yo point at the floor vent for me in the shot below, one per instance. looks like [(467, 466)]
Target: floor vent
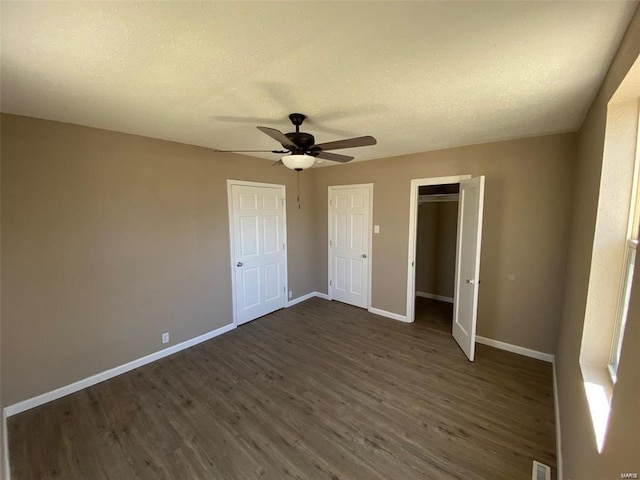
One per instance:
[(541, 471)]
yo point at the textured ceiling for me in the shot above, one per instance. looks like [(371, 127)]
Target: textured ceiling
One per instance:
[(418, 75)]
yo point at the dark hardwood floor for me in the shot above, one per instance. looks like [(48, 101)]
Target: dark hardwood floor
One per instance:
[(434, 314), (321, 390)]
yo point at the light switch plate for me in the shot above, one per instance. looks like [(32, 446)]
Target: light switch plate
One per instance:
[(376, 229)]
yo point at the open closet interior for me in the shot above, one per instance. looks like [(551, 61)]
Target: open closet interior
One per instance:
[(436, 255)]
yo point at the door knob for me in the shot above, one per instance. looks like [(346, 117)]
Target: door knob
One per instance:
[(364, 255), (239, 264), (470, 280)]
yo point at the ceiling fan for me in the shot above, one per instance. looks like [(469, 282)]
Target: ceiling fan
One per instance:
[(301, 147)]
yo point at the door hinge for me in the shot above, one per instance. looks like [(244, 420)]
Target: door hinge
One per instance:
[(283, 247), (284, 289), (283, 202), (331, 243), (330, 282), (330, 203)]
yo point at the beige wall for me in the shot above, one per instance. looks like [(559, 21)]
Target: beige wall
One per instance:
[(436, 248), (621, 452), (111, 239), (527, 199)]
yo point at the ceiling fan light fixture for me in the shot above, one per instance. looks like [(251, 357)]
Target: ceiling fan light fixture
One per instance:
[(298, 162)]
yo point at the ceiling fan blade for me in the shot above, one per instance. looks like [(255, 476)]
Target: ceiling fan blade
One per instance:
[(348, 143), (243, 151), (280, 137), (334, 157), (279, 162)]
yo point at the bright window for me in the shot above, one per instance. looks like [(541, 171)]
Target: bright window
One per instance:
[(623, 308), (631, 247)]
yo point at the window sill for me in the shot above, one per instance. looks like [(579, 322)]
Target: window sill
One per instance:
[(599, 390)]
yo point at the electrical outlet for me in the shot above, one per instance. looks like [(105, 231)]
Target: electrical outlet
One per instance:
[(290, 293), (165, 337)]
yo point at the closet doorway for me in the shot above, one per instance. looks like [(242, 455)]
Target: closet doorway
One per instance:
[(445, 230), (435, 264)]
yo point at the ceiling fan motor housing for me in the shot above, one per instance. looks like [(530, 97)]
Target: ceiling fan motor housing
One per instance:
[(304, 141)]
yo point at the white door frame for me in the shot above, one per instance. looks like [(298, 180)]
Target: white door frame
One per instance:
[(416, 183), (330, 231), (283, 191)]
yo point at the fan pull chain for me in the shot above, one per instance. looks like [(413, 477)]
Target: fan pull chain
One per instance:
[(298, 188)]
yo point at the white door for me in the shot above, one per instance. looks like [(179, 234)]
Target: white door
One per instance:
[(259, 258), (465, 310), (349, 232)]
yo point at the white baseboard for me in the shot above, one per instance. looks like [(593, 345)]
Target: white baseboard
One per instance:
[(377, 311), (5, 446), (556, 406), (113, 372), (384, 313), (106, 375), (301, 299), (433, 296), (527, 352)]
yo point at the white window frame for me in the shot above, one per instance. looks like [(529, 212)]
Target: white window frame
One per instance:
[(629, 265), (622, 310)]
